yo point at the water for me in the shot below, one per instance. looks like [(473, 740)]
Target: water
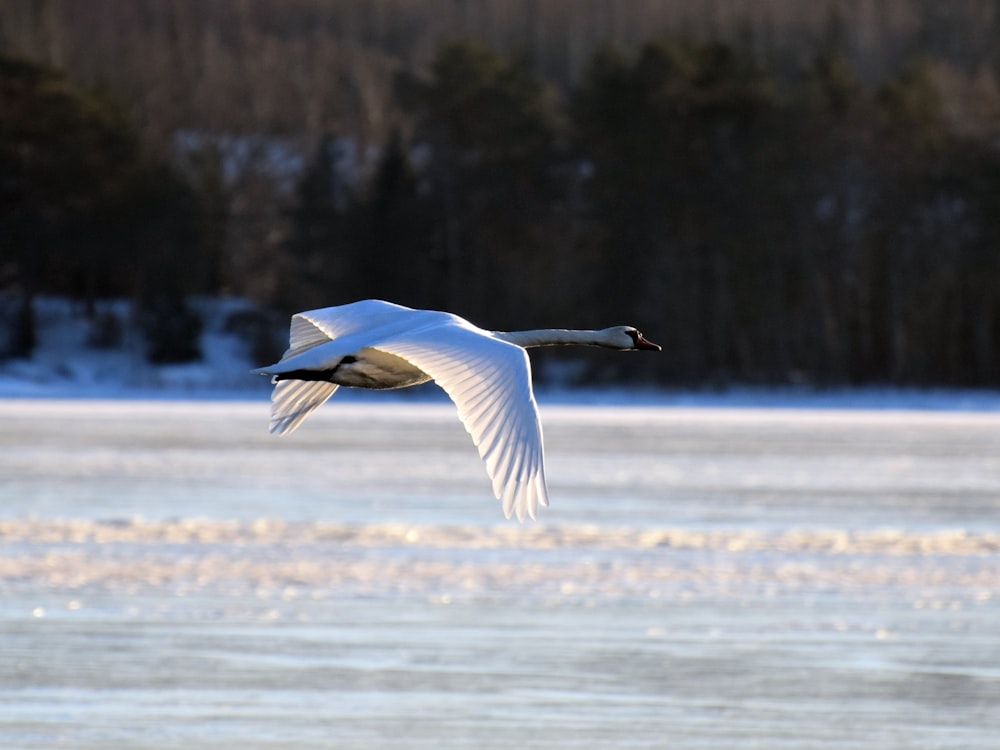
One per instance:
[(173, 577)]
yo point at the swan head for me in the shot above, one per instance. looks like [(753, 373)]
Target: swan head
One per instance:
[(627, 339)]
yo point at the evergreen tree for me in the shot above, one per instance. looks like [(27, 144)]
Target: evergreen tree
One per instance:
[(319, 263), (84, 212), (400, 261), (490, 127), (675, 137)]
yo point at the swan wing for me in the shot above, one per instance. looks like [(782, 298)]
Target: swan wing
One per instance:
[(490, 382), (314, 327), (294, 400)]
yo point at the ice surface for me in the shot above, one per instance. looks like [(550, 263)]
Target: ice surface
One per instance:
[(172, 576), (773, 568)]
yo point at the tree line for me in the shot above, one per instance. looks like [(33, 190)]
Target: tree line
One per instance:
[(763, 227), (318, 66)]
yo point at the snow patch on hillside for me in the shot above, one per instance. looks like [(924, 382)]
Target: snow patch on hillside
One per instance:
[(67, 364)]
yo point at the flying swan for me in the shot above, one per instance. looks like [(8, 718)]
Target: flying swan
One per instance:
[(376, 344)]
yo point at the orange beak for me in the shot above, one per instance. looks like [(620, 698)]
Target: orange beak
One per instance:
[(642, 343)]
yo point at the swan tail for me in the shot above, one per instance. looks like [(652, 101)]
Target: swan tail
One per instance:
[(294, 400)]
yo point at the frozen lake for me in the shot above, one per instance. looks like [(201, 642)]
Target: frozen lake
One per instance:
[(171, 576)]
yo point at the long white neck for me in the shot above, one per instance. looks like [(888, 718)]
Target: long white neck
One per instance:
[(555, 337)]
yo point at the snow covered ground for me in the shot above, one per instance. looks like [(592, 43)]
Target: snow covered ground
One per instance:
[(172, 576), (725, 571), (66, 365)]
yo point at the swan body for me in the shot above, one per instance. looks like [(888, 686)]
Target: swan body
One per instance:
[(487, 374)]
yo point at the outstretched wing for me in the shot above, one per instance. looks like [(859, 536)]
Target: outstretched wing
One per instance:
[(314, 327), (294, 400), (490, 382)]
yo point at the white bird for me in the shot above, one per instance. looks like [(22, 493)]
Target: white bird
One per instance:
[(376, 344)]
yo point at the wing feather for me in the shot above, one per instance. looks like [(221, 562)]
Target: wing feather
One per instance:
[(356, 317), (314, 327), (303, 335), (490, 382), (294, 400)]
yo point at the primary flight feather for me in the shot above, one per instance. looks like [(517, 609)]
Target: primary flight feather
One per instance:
[(376, 344)]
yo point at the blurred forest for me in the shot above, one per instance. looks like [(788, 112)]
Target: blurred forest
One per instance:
[(777, 191)]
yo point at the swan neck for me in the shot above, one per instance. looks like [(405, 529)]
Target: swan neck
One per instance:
[(551, 337)]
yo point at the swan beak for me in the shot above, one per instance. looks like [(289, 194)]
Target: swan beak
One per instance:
[(643, 343)]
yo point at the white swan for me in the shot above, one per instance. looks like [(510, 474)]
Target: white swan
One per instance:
[(376, 344)]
